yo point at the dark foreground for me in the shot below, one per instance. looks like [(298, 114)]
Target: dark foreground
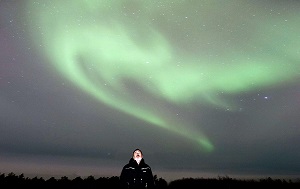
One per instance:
[(12, 180)]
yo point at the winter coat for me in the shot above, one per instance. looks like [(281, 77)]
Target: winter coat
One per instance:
[(136, 176)]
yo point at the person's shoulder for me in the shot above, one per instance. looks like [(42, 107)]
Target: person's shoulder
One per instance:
[(146, 165), (126, 166)]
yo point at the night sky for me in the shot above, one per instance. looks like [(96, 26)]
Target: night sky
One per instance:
[(204, 88)]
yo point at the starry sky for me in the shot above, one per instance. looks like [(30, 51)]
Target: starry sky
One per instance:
[(205, 88)]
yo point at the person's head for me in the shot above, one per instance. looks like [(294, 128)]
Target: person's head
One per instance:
[(137, 155)]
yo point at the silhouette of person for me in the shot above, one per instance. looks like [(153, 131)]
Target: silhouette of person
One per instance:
[(136, 174)]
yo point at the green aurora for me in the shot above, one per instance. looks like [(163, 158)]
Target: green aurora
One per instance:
[(109, 49)]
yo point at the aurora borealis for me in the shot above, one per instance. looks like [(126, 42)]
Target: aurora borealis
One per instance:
[(199, 80)]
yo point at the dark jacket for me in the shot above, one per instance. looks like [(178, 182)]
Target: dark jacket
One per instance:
[(135, 175)]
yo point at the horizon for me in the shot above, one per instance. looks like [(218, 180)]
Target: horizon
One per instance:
[(38, 168), (202, 87)]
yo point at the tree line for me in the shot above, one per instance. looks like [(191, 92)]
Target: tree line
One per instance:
[(12, 180)]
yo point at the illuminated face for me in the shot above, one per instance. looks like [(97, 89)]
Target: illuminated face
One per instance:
[(137, 155)]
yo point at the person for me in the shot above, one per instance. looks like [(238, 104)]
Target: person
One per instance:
[(136, 174)]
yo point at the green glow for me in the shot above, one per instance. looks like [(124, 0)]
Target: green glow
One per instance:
[(98, 46)]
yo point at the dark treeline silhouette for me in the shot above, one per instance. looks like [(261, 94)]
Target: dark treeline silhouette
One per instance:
[(230, 183), (12, 180)]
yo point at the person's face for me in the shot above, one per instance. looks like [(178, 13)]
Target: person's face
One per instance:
[(137, 154)]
